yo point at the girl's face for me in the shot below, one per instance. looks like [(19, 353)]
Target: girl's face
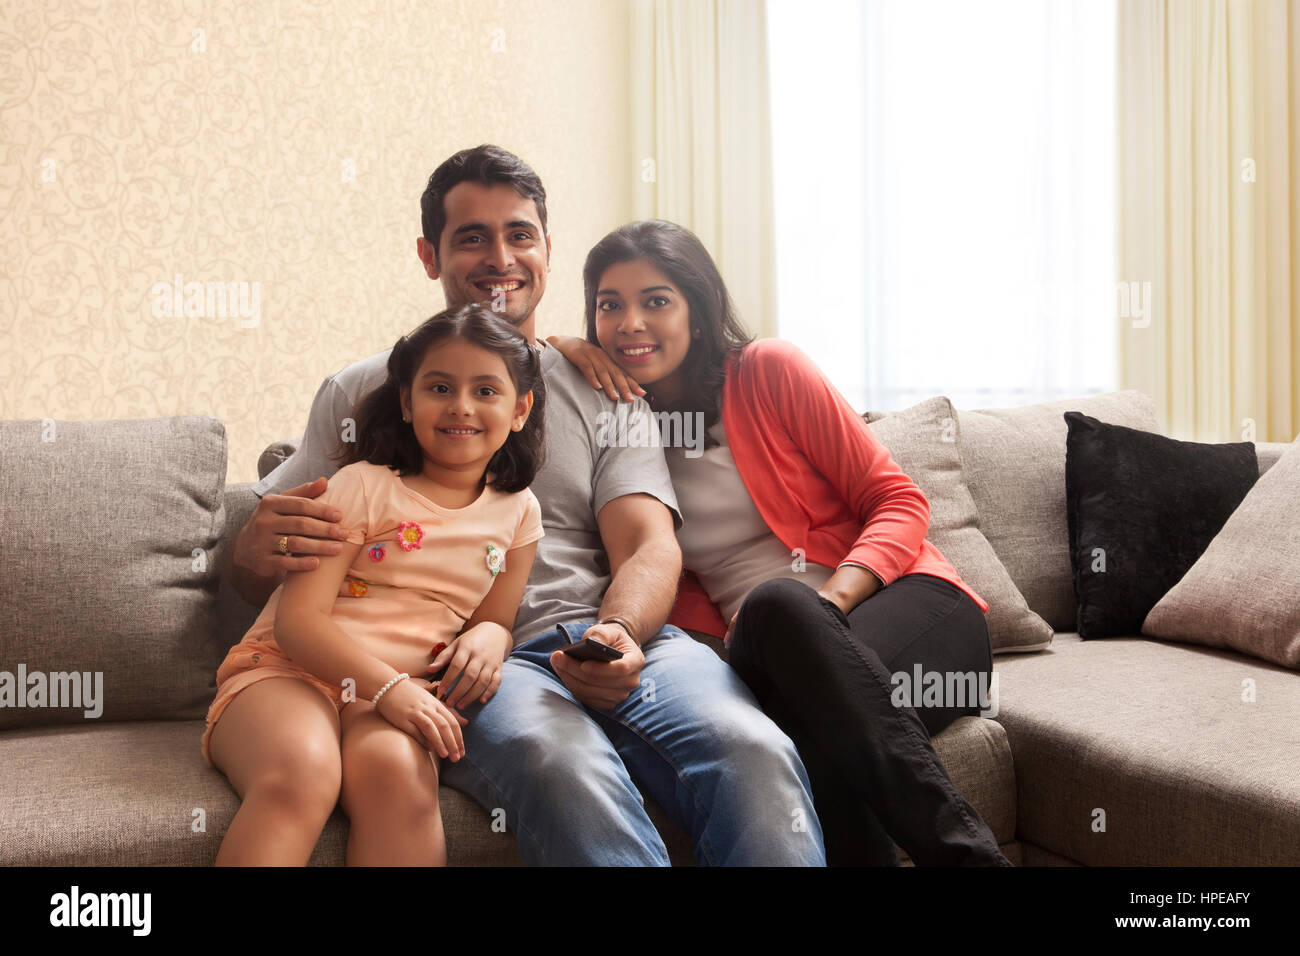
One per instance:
[(463, 405), (642, 321)]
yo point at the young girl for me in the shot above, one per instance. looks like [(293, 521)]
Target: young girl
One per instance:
[(323, 701), (789, 465)]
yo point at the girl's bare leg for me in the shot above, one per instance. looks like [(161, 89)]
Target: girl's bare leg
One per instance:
[(390, 793), (277, 743)]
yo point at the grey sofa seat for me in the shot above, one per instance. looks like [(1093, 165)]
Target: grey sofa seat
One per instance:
[(1157, 736), (104, 795), (128, 792)]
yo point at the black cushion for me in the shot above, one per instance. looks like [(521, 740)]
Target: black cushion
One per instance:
[(1141, 508)]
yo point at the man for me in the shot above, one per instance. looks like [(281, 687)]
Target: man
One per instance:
[(559, 745)]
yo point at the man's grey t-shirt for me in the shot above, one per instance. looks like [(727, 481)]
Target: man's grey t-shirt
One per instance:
[(577, 479)]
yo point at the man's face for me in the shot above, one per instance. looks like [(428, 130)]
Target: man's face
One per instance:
[(491, 251)]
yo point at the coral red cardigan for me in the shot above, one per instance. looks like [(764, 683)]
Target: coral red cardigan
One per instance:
[(819, 477)]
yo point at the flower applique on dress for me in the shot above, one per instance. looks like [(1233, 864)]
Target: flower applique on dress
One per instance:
[(409, 534), (357, 587), (496, 559)]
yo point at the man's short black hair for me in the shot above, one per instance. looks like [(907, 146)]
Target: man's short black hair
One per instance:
[(486, 164)]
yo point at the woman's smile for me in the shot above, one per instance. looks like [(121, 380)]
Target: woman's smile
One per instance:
[(637, 354)]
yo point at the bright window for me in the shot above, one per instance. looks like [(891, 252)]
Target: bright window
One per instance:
[(944, 183)]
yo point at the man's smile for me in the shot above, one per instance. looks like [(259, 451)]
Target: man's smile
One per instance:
[(499, 286)]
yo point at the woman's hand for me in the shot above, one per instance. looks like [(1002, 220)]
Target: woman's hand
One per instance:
[(601, 370), (849, 586), (837, 600), (476, 657), (409, 707)]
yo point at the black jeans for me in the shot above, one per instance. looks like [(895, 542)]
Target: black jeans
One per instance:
[(825, 679)]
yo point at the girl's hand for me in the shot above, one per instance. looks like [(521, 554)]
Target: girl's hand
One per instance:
[(476, 657), (409, 707), (601, 370)]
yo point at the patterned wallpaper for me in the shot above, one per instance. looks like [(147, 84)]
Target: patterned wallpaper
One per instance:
[(208, 207)]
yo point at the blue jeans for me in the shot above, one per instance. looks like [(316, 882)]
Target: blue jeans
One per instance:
[(692, 735)]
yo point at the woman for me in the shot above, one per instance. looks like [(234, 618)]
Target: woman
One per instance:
[(808, 538)]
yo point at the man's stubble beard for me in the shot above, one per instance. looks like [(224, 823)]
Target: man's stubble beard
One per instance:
[(516, 321)]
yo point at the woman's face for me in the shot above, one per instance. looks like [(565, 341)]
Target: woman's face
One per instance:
[(642, 321)]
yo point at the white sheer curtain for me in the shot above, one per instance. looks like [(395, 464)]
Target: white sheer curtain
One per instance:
[(701, 136), (944, 183)]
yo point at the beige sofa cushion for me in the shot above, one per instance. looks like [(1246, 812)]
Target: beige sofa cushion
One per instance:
[(1244, 590), (1014, 460), (1189, 767), (925, 441), (107, 556), (1270, 452)]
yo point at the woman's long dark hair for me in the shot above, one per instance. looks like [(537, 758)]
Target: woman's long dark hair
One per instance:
[(678, 253), (384, 439)]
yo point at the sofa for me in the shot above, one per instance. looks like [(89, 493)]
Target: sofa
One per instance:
[(113, 534)]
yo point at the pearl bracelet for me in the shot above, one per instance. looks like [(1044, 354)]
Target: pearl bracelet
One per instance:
[(383, 690)]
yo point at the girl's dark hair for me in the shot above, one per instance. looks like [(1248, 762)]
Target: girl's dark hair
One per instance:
[(678, 253), (384, 439)]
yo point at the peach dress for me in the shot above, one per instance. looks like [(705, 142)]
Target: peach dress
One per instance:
[(422, 572)]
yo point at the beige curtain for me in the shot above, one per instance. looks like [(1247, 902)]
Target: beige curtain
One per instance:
[(701, 139), (1209, 214)]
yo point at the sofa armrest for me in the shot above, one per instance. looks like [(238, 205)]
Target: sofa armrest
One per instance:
[(275, 453)]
